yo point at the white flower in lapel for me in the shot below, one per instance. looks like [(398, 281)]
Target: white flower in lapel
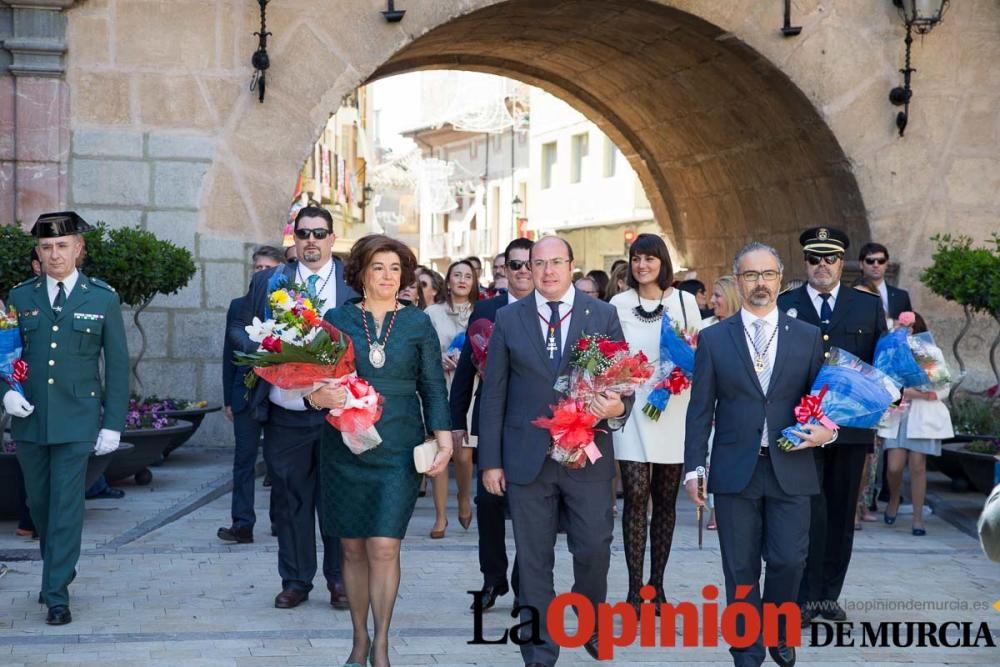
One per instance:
[(792, 312)]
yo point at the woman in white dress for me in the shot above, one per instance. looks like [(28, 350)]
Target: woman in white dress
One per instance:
[(651, 453), (450, 318)]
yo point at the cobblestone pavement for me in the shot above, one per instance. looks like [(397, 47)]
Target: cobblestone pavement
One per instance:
[(156, 587)]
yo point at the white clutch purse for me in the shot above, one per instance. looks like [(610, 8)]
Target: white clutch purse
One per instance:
[(423, 455)]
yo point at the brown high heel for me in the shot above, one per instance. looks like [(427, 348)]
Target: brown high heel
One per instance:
[(438, 534), (464, 519)]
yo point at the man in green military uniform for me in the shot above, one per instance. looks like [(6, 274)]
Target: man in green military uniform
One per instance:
[(67, 320)]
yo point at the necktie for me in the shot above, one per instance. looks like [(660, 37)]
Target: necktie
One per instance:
[(763, 374), (553, 342), (60, 299), (311, 285), (825, 311)]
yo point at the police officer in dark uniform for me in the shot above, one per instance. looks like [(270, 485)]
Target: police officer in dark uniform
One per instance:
[(67, 320), (853, 321)]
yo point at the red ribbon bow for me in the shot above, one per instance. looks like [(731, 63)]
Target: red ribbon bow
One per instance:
[(810, 406), (20, 373)]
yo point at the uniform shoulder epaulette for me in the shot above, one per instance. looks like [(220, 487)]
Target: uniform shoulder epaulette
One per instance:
[(861, 290), (100, 283), (30, 281)]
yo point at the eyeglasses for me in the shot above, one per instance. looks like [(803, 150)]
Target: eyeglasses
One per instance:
[(518, 264), (814, 260), (875, 260), (318, 233), (556, 262), (755, 276)]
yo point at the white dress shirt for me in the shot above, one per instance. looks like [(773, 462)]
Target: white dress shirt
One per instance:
[(544, 312), (69, 282), (817, 300), (292, 399)]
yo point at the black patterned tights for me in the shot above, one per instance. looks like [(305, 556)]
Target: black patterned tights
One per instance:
[(640, 482)]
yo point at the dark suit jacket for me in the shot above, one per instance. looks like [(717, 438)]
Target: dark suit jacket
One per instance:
[(858, 322), (899, 301), (253, 306), (465, 375), (519, 388), (725, 389), (234, 393)]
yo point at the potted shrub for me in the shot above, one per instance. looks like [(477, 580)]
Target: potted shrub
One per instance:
[(969, 456), (150, 430), (15, 258)]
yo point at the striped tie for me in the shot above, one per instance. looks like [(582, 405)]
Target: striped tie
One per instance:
[(764, 374)]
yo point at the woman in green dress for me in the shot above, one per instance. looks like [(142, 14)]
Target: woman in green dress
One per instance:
[(368, 498)]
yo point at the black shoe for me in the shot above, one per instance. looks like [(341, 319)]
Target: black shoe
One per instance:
[(110, 492), (832, 611), (238, 535), (59, 615), (490, 595), (808, 614), (783, 655), (591, 646)]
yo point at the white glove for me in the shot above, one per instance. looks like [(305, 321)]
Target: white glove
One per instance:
[(107, 442), (17, 405)]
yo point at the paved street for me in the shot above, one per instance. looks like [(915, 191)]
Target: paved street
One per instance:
[(156, 587)]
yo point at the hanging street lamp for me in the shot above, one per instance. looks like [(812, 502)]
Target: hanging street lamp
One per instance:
[(920, 16)]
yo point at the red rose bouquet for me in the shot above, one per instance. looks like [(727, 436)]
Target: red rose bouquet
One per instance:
[(599, 365)]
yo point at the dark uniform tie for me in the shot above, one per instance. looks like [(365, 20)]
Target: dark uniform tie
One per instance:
[(60, 299), (555, 336), (825, 312)]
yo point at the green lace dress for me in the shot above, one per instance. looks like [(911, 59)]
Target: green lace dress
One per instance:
[(373, 494)]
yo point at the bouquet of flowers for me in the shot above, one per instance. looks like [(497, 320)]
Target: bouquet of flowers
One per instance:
[(846, 392), (930, 359), (599, 365), (478, 334), (677, 347), (912, 360), (13, 369), (300, 352)]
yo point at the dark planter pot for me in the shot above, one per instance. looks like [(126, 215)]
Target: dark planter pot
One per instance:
[(148, 445), (9, 469), (977, 468), (950, 462), (195, 416)]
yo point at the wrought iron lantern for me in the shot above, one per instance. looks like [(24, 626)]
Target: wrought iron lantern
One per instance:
[(260, 60), (920, 16), (516, 206)]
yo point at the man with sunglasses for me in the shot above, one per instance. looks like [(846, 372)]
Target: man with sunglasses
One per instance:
[(490, 509), (874, 258), (853, 321), (291, 429)]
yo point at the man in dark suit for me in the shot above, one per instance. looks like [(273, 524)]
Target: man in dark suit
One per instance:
[(852, 320), (874, 258), (490, 510), (246, 431), (750, 372), (531, 346), (291, 430)]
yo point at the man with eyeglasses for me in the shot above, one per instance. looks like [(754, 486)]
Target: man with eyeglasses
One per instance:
[(490, 513), (853, 321), (291, 429), (874, 258), (532, 344)]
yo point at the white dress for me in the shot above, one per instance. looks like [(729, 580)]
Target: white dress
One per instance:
[(642, 439), (448, 323)]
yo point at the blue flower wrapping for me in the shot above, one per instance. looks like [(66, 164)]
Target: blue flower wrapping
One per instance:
[(857, 394), (457, 343), (674, 353), (894, 357), (277, 280), (10, 351)]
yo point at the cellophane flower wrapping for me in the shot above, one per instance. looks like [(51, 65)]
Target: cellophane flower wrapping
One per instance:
[(13, 369), (846, 392), (895, 358), (457, 343), (930, 359), (599, 365), (479, 333), (300, 352), (675, 369)]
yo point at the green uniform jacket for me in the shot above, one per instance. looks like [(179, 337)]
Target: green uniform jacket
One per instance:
[(63, 352)]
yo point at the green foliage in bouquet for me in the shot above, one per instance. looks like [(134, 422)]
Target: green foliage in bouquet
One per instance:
[(15, 257)]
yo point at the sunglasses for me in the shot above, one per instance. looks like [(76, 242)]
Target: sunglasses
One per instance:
[(814, 260), (518, 264), (875, 260), (319, 233)]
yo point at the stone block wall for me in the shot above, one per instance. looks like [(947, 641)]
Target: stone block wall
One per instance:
[(154, 180)]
